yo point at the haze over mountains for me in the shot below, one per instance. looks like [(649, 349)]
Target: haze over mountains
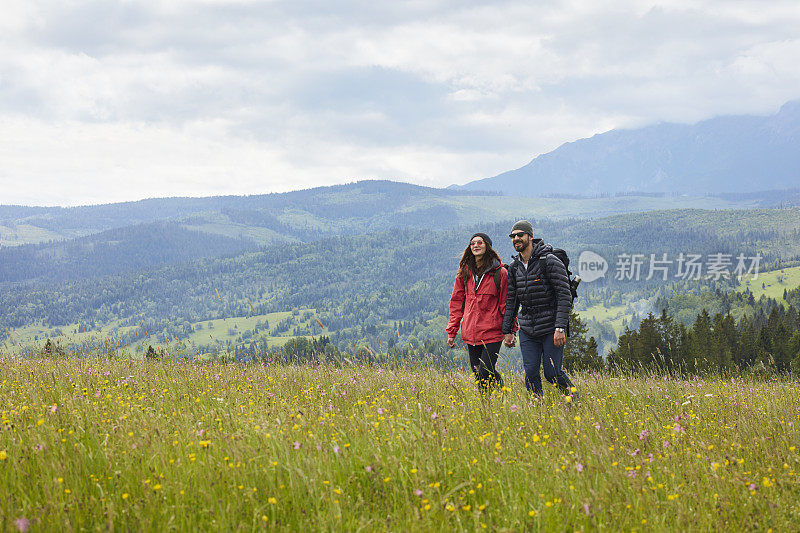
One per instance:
[(728, 154), (308, 215), (717, 163)]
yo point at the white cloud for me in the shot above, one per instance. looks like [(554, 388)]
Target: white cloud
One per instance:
[(75, 163), (104, 100)]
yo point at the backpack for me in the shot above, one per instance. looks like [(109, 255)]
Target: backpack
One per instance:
[(564, 258), (573, 281)]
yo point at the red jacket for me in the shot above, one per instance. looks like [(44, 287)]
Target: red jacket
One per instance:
[(479, 313)]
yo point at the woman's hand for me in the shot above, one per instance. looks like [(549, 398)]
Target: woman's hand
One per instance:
[(451, 341)]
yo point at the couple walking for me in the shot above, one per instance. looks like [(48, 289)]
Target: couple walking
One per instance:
[(486, 303)]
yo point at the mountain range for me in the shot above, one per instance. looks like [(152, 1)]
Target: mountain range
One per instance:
[(307, 215), (376, 258), (727, 154)]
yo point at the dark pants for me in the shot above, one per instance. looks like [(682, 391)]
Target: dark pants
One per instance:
[(482, 360), (537, 351)]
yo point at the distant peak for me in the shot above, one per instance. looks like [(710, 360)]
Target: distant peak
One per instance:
[(792, 106)]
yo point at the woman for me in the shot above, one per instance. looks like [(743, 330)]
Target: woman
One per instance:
[(477, 304)]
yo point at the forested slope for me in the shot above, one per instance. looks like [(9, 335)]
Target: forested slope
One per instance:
[(377, 277)]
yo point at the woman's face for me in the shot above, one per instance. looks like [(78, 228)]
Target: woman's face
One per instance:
[(478, 247)]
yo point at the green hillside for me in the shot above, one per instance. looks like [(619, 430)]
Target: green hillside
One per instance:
[(772, 284), (381, 286), (274, 329)]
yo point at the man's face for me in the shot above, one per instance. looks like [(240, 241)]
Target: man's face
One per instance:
[(520, 240)]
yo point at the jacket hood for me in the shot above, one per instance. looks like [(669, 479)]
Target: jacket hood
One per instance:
[(540, 248), (495, 265)]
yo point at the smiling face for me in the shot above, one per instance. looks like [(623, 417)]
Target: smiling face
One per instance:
[(520, 240), (478, 247)]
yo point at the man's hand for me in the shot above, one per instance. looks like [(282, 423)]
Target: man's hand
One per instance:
[(559, 339), (451, 341), (509, 340)]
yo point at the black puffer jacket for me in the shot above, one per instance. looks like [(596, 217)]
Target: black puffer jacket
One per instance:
[(545, 298)]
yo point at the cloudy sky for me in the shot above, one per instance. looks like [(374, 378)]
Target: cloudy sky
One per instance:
[(109, 101)]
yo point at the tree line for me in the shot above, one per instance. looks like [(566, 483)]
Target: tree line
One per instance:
[(764, 339)]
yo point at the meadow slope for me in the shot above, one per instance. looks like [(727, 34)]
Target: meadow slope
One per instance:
[(102, 444)]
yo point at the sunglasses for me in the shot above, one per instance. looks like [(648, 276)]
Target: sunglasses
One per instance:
[(515, 235), (476, 243)]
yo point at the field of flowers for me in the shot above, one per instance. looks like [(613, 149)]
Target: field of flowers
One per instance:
[(94, 444)]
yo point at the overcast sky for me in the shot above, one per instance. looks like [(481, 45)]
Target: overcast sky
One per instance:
[(109, 101)]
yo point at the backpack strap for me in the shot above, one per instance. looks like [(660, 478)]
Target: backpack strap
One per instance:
[(496, 276)]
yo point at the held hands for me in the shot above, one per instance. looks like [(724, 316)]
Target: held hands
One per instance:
[(451, 341), (559, 339), (509, 340)]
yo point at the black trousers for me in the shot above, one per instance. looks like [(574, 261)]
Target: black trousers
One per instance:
[(482, 360)]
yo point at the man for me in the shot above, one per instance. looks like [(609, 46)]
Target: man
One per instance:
[(538, 281)]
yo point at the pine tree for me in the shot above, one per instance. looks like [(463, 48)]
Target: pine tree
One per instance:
[(151, 353), (700, 344), (794, 350), (580, 353)]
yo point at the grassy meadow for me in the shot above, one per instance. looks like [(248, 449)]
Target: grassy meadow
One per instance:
[(772, 284), (613, 315), (102, 444)]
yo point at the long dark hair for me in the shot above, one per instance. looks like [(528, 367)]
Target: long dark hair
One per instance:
[(469, 265)]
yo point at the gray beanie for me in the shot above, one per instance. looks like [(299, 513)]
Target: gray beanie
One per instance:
[(523, 225)]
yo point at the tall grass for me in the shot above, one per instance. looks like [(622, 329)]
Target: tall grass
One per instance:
[(96, 443)]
